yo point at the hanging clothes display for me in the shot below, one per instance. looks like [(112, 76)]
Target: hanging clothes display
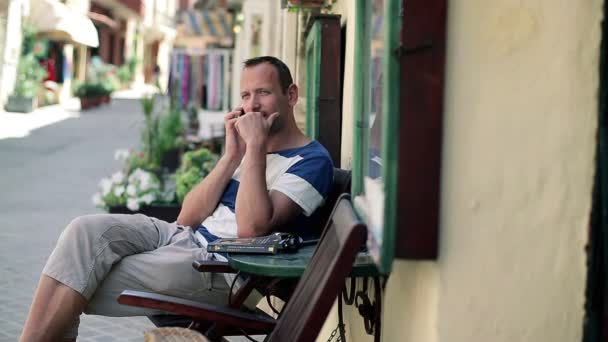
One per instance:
[(199, 78)]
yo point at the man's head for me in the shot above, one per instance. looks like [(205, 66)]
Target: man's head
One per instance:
[(267, 87), (283, 72)]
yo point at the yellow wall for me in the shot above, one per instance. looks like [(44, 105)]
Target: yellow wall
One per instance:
[(519, 142)]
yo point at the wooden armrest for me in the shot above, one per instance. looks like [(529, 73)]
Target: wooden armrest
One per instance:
[(213, 266), (198, 310)]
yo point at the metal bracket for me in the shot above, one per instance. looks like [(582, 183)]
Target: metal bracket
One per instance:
[(369, 311), (403, 50)]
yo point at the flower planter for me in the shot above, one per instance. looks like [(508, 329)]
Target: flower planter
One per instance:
[(20, 104), (307, 3), (171, 159), (165, 212), (93, 101)]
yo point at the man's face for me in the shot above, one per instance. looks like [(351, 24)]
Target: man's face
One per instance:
[(261, 92)]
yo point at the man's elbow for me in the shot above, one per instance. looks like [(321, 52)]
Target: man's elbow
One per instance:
[(253, 229), (188, 220)]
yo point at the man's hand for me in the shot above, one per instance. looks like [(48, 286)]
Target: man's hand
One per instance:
[(235, 146), (254, 127)]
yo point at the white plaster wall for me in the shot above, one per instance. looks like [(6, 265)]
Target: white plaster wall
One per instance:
[(520, 125), (66, 88), (163, 61), (130, 37), (12, 47), (138, 50)]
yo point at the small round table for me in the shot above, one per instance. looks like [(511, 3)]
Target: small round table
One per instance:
[(292, 265)]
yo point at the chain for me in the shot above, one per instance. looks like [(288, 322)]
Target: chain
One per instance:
[(333, 334)]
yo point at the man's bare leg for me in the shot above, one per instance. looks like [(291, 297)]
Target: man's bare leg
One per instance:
[(54, 307)]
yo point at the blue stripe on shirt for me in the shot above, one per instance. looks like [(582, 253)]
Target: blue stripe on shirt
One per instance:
[(229, 196), (206, 234), (317, 171)]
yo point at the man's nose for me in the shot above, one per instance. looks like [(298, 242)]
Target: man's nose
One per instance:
[(252, 105)]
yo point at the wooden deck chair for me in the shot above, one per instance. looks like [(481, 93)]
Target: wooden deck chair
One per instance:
[(306, 311), (281, 288)]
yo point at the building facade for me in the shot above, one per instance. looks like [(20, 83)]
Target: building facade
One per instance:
[(517, 166)]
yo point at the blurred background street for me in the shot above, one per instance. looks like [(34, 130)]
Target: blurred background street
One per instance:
[(47, 177)]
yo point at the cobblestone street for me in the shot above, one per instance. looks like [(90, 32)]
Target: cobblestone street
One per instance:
[(47, 178)]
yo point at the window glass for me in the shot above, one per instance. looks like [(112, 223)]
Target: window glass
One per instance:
[(373, 182), (374, 158)]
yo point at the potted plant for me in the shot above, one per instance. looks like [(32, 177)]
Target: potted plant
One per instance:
[(30, 75), (195, 165), (90, 94), (137, 189), (138, 192), (102, 80), (162, 135), (171, 138), (28, 84)]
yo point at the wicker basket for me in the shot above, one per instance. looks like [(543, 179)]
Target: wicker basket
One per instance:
[(173, 335)]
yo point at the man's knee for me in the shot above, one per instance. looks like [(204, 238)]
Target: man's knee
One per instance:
[(123, 234), (83, 226)]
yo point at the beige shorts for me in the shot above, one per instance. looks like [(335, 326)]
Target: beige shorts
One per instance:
[(99, 256)]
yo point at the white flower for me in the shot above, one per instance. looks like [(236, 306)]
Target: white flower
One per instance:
[(97, 200), (121, 154), (119, 190), (145, 181), (147, 198), (142, 179), (131, 190), (135, 175), (118, 177), (133, 204), (106, 186)]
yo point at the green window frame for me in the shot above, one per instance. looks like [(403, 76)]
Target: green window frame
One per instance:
[(401, 207), (313, 71), (380, 238)]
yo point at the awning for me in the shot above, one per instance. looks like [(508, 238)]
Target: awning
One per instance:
[(200, 27), (55, 20)]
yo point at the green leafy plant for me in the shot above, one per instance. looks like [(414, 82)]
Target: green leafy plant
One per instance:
[(101, 80), (195, 166), (93, 89), (150, 133), (29, 76), (138, 160), (124, 74), (192, 114), (162, 133), (170, 131), (131, 64), (29, 71)]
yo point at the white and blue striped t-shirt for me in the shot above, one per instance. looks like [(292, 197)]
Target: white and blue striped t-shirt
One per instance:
[(304, 174)]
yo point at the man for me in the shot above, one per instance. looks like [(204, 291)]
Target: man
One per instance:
[(270, 175)]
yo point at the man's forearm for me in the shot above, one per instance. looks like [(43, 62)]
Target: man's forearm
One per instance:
[(254, 209), (204, 197)]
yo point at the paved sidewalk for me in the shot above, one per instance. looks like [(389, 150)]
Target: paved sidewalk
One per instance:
[(50, 164)]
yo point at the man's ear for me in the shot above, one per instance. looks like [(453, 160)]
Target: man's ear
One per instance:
[(292, 94)]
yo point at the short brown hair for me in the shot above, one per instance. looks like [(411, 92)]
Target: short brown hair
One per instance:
[(285, 78)]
